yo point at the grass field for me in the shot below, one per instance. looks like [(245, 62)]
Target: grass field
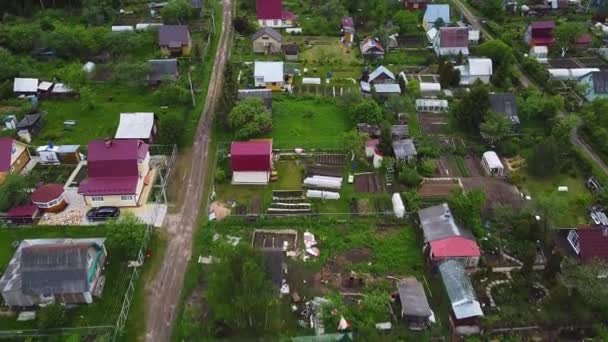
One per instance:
[(307, 123)]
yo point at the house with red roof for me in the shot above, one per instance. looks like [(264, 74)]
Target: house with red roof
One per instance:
[(348, 30), (14, 156), (540, 33), (251, 161), (445, 240), (270, 13), (585, 244), (451, 41), (118, 170)]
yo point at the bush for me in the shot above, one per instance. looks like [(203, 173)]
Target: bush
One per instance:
[(171, 129), (408, 175), (51, 316)]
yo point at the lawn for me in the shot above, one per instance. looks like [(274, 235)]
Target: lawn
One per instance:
[(307, 123), (325, 50), (569, 208)]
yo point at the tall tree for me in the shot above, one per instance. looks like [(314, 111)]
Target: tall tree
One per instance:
[(177, 12), (240, 293), (545, 158), (249, 118), (467, 209), (566, 35), (125, 236), (353, 141), (474, 106), (367, 111), (589, 281), (13, 192), (495, 128)]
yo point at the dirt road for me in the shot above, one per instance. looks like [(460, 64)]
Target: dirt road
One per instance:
[(163, 292)]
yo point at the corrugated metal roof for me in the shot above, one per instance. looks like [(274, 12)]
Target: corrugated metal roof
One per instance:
[(269, 31), (379, 71), (135, 126), (438, 223), (161, 69), (269, 9), (173, 33), (25, 85), (451, 37), (404, 148), (434, 12), (505, 103), (387, 88), (413, 298)]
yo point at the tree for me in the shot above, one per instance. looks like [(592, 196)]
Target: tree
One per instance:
[(448, 75), (439, 23), (562, 129), (230, 88), (51, 316), (11, 65), (171, 128), (242, 25), (566, 34), (495, 128), (367, 111), (249, 118), (493, 9), (471, 111), (97, 12), (407, 22), (353, 141), (409, 176), (346, 102), (173, 93), (545, 158), (125, 236), (395, 105), (331, 9), (13, 192), (588, 281), (240, 293), (467, 208), (385, 145), (133, 75), (502, 60), (541, 107), (73, 76), (411, 200), (177, 12)]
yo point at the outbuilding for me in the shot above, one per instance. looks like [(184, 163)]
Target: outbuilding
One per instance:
[(431, 105), (415, 307), (269, 75), (25, 86), (267, 40), (251, 161), (428, 89), (23, 214), (492, 165), (475, 69), (50, 198), (140, 126), (404, 149), (32, 123)]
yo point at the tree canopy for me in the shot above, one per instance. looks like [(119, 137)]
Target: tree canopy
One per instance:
[(566, 34), (467, 208), (495, 128), (125, 236), (473, 107), (367, 111), (177, 12), (545, 158), (588, 281), (13, 192), (249, 118), (240, 293)]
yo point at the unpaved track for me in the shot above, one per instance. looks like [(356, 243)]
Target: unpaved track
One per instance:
[(163, 292)]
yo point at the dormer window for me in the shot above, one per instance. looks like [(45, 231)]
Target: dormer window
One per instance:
[(574, 241)]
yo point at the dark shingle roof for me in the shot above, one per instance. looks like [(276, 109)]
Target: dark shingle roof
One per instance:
[(28, 121), (505, 103), (170, 35), (161, 69), (55, 269), (269, 31), (600, 82), (291, 49), (273, 261)]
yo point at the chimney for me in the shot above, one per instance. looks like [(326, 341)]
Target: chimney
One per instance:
[(108, 142)]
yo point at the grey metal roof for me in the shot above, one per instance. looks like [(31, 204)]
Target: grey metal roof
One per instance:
[(600, 82), (173, 35), (505, 103), (460, 290), (413, 298), (161, 69), (438, 223), (49, 266), (379, 71), (28, 121), (269, 31), (387, 88), (400, 131), (404, 148)]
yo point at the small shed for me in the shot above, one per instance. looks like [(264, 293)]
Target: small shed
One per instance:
[(62, 90), (140, 126), (162, 69), (267, 40), (23, 214), (291, 52), (370, 147), (50, 198), (428, 89), (32, 123), (404, 149), (415, 307), (492, 164), (62, 154)]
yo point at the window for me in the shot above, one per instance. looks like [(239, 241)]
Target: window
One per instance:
[(97, 198), (126, 197), (574, 241), (276, 22), (265, 38)]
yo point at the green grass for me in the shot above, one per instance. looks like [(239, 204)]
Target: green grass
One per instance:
[(406, 58), (569, 207), (307, 123)]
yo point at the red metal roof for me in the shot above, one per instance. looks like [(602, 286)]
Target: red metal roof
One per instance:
[(6, 150), (456, 246), (593, 244), (251, 155), (270, 9), (543, 25), (108, 186), (27, 210), (453, 37), (47, 193), (288, 15)]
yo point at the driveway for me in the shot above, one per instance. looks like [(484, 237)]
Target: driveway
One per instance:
[(163, 292)]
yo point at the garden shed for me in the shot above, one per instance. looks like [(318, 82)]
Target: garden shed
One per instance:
[(466, 309), (431, 105), (25, 86), (492, 165), (415, 307), (404, 149), (50, 198), (32, 123), (251, 161)]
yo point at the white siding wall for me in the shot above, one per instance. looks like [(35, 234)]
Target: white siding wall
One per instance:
[(113, 200), (258, 177)]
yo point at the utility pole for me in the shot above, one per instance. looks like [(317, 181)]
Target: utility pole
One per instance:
[(191, 89)]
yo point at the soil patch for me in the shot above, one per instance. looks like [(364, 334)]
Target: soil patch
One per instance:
[(434, 124), (326, 170), (358, 255), (369, 183), (275, 239), (330, 159), (497, 191), (438, 188), (474, 166)]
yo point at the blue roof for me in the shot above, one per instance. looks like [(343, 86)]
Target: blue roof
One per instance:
[(434, 12)]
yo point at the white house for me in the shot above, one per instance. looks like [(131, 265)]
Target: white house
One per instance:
[(269, 75), (475, 69)]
